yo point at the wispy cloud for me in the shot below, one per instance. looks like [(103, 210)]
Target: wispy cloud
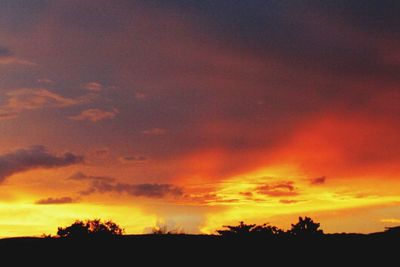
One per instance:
[(28, 98), (150, 190), (93, 86), (80, 176), (7, 114), (390, 220), (318, 180), (277, 189), (5, 52), (25, 99), (288, 201), (7, 57), (34, 157), (95, 115), (53, 201)]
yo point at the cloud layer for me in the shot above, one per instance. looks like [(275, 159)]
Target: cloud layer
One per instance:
[(34, 157), (55, 201), (149, 190), (80, 176), (5, 52), (95, 115), (26, 99), (282, 189)]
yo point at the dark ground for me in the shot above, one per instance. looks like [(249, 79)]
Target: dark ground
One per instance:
[(189, 250)]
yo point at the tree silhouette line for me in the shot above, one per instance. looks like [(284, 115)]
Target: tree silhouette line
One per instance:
[(90, 228), (303, 228)]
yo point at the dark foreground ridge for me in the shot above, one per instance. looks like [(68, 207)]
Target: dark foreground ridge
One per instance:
[(179, 249), (94, 242)]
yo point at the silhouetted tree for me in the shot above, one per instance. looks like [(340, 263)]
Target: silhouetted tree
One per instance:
[(395, 231), (94, 228), (267, 230), (305, 227), (240, 230), (254, 230)]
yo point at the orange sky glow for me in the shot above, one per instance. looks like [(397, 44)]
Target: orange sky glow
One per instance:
[(197, 115)]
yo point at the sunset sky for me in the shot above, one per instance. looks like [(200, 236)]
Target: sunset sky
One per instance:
[(197, 114)]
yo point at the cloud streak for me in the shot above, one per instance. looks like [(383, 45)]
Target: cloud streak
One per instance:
[(5, 52), (93, 86), (80, 176), (26, 99), (277, 189), (95, 115), (29, 98), (318, 180), (7, 57), (34, 157), (149, 190), (53, 201)]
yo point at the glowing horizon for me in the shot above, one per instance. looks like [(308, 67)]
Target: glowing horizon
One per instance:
[(197, 114)]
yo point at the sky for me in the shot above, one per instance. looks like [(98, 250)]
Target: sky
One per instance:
[(197, 114)]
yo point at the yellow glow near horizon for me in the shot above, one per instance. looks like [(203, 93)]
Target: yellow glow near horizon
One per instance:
[(314, 200), (26, 219)]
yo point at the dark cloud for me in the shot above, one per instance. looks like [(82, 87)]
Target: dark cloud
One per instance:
[(318, 180), (50, 201), (338, 36), (294, 59), (80, 176), (5, 52), (34, 157), (277, 189), (138, 190)]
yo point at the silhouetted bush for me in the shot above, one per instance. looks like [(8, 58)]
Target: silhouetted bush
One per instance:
[(395, 231), (90, 228), (305, 228), (267, 230), (243, 230), (240, 230), (46, 236)]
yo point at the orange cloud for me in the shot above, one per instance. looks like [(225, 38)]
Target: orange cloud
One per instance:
[(95, 115), (93, 86), (35, 98), (26, 99)]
